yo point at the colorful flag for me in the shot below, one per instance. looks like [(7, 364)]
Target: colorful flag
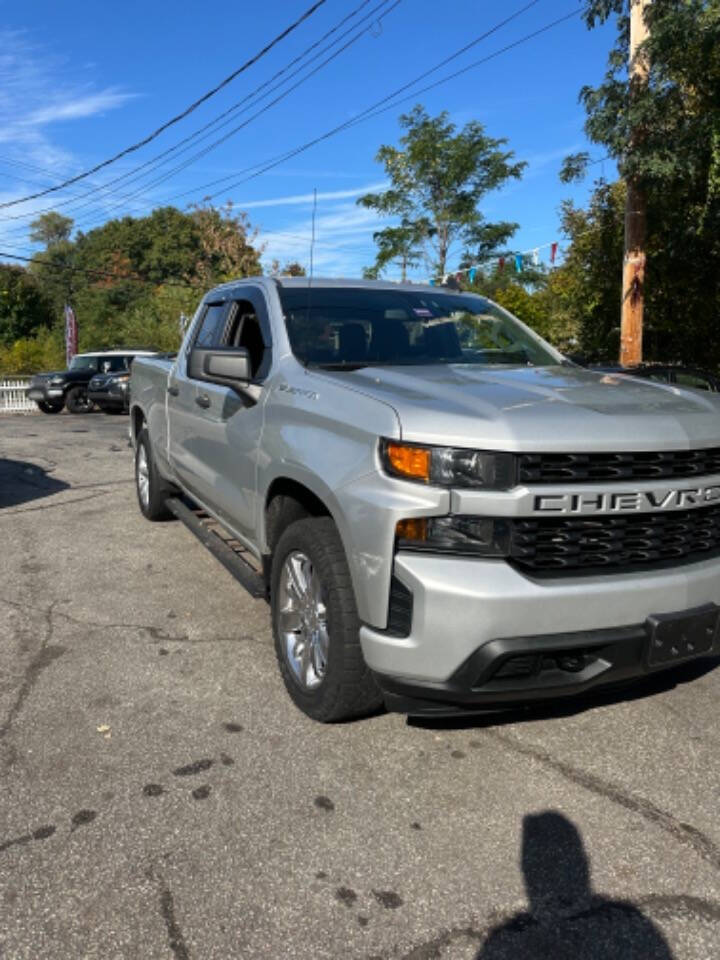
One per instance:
[(471, 274), (518, 262), (553, 252), (536, 257), (71, 334), (501, 264), (432, 282)]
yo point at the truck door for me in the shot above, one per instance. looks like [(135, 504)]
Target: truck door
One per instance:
[(182, 411), (223, 425)]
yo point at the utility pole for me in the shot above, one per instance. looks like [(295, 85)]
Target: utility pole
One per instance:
[(633, 282)]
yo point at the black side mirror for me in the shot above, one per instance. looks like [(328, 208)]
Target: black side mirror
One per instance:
[(228, 367)]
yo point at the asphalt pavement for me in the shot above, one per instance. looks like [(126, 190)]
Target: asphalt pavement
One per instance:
[(160, 796)]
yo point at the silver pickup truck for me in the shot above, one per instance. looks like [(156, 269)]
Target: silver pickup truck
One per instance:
[(447, 515)]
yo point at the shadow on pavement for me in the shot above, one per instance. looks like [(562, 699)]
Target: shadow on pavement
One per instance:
[(639, 689), (565, 920), (21, 482)]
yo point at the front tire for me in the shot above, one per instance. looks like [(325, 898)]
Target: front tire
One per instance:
[(77, 401), (316, 627), (152, 490), (47, 407)]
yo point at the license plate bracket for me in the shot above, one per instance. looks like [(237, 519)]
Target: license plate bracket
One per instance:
[(675, 637)]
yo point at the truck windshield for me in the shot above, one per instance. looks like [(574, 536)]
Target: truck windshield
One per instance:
[(354, 327)]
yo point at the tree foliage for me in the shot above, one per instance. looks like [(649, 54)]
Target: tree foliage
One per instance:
[(673, 125), (51, 228), (129, 281), (24, 307), (438, 178)]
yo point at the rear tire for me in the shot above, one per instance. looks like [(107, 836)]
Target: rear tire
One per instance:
[(47, 407), (316, 626), (77, 401), (152, 489)]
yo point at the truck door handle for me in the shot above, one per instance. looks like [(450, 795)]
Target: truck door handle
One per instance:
[(173, 391), (203, 401)]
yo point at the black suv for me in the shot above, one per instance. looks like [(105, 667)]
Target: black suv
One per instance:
[(53, 391)]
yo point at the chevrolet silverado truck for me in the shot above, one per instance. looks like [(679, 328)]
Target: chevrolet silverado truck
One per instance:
[(448, 516)]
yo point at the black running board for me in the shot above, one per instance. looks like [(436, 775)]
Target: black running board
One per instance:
[(233, 558)]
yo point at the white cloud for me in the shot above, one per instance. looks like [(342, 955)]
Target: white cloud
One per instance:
[(343, 238), (307, 198), (33, 97), (75, 108)]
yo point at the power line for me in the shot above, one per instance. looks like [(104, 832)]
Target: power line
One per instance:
[(376, 109), (154, 162), (380, 106), (374, 14), (373, 110), (201, 153), (180, 116)]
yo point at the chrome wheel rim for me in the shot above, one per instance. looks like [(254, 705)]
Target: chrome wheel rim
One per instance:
[(303, 620), (143, 477)]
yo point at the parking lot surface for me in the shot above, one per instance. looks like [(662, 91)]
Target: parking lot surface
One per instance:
[(162, 797)]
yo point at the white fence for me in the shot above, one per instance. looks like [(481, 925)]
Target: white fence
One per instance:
[(13, 396)]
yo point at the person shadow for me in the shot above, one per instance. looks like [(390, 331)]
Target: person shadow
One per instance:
[(565, 919)]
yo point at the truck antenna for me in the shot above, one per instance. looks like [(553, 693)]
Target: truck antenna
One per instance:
[(312, 250), (312, 236)]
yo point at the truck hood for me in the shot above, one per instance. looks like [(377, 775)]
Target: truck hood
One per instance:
[(534, 409)]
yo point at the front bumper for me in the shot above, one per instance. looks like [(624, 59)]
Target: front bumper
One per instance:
[(112, 396), (44, 393), (471, 617)]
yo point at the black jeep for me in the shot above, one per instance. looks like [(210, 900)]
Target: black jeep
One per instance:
[(53, 391)]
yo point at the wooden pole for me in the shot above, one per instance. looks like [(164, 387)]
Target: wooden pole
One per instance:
[(633, 282)]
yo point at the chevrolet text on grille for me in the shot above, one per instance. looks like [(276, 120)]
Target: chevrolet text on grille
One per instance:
[(627, 501)]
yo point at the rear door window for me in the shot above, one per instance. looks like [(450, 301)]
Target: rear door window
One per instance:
[(243, 330)]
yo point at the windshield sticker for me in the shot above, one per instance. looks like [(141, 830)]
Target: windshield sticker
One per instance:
[(422, 312)]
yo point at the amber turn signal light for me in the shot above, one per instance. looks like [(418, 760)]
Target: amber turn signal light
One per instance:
[(409, 461), (413, 528)]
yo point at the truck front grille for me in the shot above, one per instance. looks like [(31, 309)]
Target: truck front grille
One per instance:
[(614, 543), (592, 467)]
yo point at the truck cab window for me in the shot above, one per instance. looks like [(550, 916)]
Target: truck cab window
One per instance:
[(244, 331)]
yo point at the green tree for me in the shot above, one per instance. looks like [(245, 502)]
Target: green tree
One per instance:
[(675, 157), (228, 247), (51, 228), (131, 279), (24, 308), (291, 269), (403, 246), (437, 179)]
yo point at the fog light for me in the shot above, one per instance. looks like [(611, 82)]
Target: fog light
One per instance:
[(479, 536)]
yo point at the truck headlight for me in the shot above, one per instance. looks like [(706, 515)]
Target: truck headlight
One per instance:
[(477, 536), (121, 380), (57, 380), (448, 466)]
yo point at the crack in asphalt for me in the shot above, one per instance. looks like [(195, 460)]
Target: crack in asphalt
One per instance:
[(685, 833), (42, 659), (176, 940), (156, 633)]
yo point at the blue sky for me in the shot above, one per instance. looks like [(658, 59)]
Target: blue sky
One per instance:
[(79, 81)]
